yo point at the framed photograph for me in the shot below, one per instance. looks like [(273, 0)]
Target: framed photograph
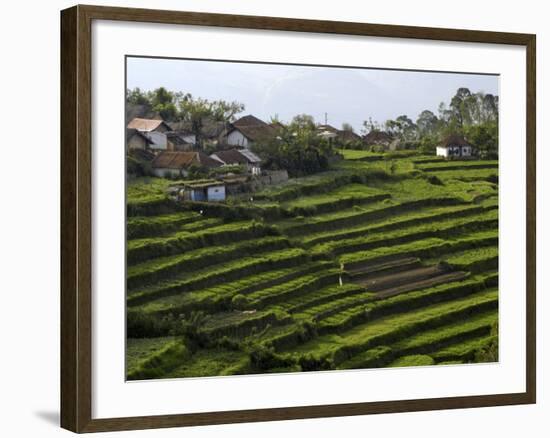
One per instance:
[(270, 219)]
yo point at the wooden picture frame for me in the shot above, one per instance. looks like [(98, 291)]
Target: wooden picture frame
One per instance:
[(76, 217)]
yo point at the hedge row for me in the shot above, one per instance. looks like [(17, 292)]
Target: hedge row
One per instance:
[(393, 224), (460, 167), (336, 204), (152, 206), (321, 297), (462, 352), (247, 266), (138, 251), (220, 297), (161, 268), (344, 355), (147, 226), (160, 362), (360, 217), (477, 306), (427, 248), (241, 327), (324, 184), (403, 303), (402, 236), (295, 288)]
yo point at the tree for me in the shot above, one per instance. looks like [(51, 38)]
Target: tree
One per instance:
[(303, 122), (428, 143), (223, 111), (347, 127), (427, 123), (163, 102), (297, 148), (196, 111), (370, 125), (402, 127), (485, 138), (136, 97), (489, 108)]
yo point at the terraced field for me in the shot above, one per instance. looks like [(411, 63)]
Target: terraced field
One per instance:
[(386, 260)]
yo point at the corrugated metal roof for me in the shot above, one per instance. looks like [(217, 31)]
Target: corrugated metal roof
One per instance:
[(146, 125), (250, 156)]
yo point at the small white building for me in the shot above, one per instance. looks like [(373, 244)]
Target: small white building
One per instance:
[(455, 146), (205, 191)]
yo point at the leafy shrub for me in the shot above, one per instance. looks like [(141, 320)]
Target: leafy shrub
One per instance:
[(141, 325), (160, 362), (312, 363), (433, 179), (265, 358), (239, 302)]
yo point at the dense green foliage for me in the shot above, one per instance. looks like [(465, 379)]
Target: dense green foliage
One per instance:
[(297, 148)]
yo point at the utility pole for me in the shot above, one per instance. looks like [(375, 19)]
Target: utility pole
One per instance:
[(326, 119)]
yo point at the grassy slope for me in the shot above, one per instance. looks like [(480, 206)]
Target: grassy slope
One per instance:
[(294, 301)]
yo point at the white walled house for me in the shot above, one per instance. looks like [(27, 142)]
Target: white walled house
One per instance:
[(152, 129), (248, 130), (137, 140), (159, 141), (455, 146), (237, 138)]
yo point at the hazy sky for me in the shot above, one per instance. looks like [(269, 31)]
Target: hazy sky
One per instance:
[(346, 94)]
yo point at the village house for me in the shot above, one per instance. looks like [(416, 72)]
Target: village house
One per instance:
[(179, 142), (205, 191), (212, 131), (381, 139), (248, 130), (327, 132), (155, 130), (137, 140), (345, 136), (149, 125), (341, 136), (239, 157), (278, 126), (455, 146), (177, 164)]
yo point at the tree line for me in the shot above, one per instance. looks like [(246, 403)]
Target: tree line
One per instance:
[(473, 115)]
